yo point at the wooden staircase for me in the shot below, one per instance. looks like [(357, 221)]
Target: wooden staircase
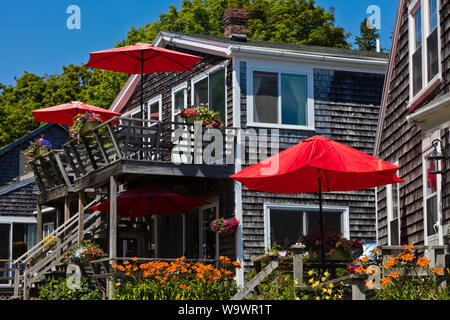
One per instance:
[(43, 261)]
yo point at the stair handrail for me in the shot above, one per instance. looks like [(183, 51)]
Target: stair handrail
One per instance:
[(36, 248)]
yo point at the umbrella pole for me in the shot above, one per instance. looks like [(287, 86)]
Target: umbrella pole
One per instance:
[(322, 245), (142, 99)]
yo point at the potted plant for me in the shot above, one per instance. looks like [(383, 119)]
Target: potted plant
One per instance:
[(37, 149), (209, 118), (336, 247), (83, 253), (83, 123), (224, 226)]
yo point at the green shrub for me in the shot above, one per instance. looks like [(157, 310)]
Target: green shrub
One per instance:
[(58, 290)]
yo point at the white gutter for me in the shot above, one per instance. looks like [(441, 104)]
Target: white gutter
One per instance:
[(305, 56)]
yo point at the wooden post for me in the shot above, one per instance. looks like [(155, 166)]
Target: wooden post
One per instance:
[(66, 208), (81, 204), (358, 289), (112, 230), (39, 223), (298, 262)]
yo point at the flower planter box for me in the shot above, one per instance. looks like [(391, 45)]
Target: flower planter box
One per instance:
[(88, 126), (337, 255)]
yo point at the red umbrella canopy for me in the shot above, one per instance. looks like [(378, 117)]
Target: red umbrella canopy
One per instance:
[(142, 58), (297, 169), (64, 113), (149, 199)]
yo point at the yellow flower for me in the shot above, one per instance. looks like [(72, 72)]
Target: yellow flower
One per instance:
[(330, 285), (323, 279), (315, 284), (310, 272), (324, 290), (297, 298), (118, 284), (311, 280), (326, 274), (295, 281), (317, 298), (329, 291)]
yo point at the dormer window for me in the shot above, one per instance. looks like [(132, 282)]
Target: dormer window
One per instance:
[(425, 60)]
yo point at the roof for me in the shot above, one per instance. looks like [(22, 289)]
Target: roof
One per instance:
[(28, 136), (289, 46)]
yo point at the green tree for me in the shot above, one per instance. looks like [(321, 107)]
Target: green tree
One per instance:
[(31, 92), (293, 21), (367, 40)]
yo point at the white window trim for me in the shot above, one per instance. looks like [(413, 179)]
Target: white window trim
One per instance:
[(223, 65), (390, 209), (427, 149), (345, 218), (424, 5), (310, 101), (181, 87), (152, 101)]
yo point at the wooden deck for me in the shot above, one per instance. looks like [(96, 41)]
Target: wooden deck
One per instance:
[(129, 148)]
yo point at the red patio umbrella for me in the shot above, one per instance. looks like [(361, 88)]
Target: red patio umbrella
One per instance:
[(150, 199), (141, 58), (318, 164), (64, 113)]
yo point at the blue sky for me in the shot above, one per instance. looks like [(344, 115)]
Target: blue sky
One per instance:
[(35, 38)]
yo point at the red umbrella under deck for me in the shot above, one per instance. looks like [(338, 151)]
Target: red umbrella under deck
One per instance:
[(64, 113), (150, 199), (317, 164)]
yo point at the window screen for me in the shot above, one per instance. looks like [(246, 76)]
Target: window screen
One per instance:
[(294, 99)]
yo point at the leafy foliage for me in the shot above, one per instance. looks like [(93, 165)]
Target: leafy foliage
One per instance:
[(367, 40), (31, 92), (292, 21), (58, 290)]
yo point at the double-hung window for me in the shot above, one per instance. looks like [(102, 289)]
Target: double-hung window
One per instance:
[(424, 45), (210, 88), (179, 101), (393, 209), (285, 223), (280, 99)]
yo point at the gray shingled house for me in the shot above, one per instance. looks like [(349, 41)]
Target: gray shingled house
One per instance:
[(275, 93), (18, 196), (287, 90), (414, 123)]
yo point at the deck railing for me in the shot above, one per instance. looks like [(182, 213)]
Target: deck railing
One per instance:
[(132, 139)]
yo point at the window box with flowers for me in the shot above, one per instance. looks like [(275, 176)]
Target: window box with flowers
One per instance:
[(224, 226), (37, 149), (83, 123), (337, 248), (209, 118)]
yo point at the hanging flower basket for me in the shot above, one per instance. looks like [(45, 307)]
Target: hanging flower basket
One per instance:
[(224, 226), (83, 253), (36, 150)]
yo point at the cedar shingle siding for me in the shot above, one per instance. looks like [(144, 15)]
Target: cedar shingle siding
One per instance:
[(346, 110), (338, 97), (402, 141)]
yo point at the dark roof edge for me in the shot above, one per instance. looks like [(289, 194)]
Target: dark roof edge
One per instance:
[(17, 185), (29, 136)]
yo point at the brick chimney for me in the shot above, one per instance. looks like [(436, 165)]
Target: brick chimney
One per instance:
[(235, 23)]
